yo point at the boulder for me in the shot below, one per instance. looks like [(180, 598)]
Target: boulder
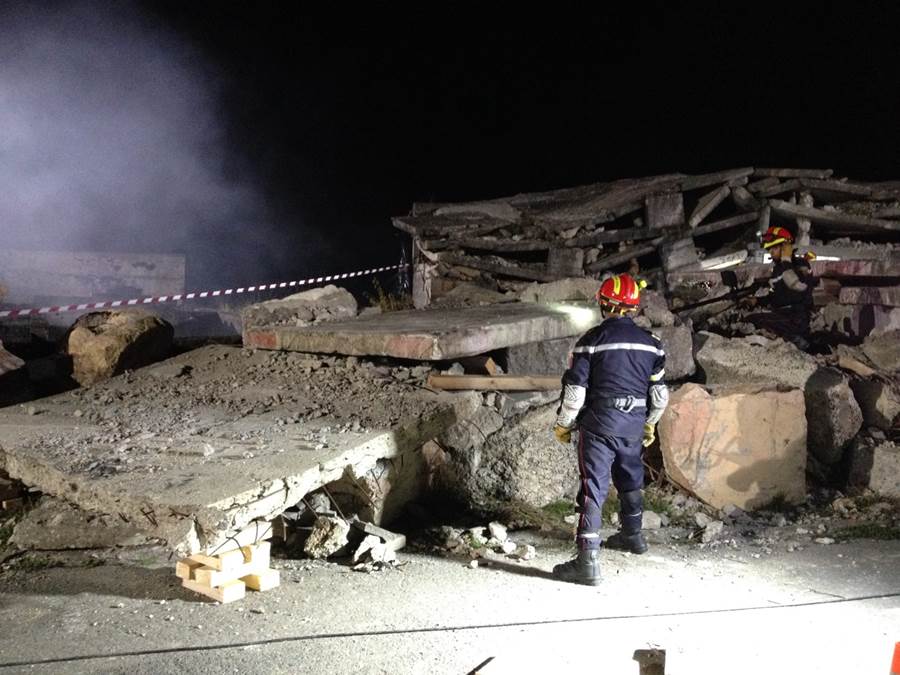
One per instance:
[(737, 445), (832, 413), (56, 525), (550, 357), (574, 288), (316, 305), (879, 402), (520, 461), (677, 341), (106, 343), (876, 468), (883, 350)]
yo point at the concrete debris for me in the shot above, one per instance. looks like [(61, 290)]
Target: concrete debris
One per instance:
[(329, 303), (740, 445), (550, 357), (526, 552), (656, 309), (876, 467), (883, 350), (652, 520), (576, 289), (508, 547), (106, 343), (678, 343), (833, 415), (879, 402), (55, 525), (9, 362), (329, 535), (712, 531), (498, 531)]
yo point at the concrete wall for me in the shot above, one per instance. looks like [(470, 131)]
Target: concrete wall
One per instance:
[(56, 277)]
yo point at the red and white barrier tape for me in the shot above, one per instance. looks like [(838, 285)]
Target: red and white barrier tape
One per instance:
[(191, 296)]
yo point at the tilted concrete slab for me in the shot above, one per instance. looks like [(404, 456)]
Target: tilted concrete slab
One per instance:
[(193, 450), (432, 334)]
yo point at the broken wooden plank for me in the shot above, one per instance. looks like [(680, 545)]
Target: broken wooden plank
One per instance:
[(706, 179), (762, 184), (835, 218), (846, 362), (787, 186), (612, 236), (664, 210), (497, 383), (707, 205), (831, 187), (228, 592), (794, 173), (509, 270), (610, 261), (725, 223)]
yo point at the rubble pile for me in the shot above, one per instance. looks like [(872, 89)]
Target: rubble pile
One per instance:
[(660, 224)]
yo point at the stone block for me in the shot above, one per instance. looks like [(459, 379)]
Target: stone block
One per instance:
[(876, 468), (550, 357), (677, 341), (664, 210), (742, 445), (883, 350), (879, 402)]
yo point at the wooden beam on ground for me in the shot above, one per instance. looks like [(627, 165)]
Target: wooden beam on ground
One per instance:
[(787, 186), (496, 383), (707, 179), (835, 219), (610, 261), (228, 592), (707, 205), (513, 271), (725, 223), (794, 173)]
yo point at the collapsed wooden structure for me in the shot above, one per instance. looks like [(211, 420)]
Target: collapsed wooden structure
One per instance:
[(657, 225)]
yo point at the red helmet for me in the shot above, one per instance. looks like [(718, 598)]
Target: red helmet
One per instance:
[(776, 235), (620, 292)]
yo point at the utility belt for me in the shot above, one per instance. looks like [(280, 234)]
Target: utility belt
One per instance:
[(623, 404)]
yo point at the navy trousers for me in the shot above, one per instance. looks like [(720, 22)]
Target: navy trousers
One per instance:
[(600, 458)]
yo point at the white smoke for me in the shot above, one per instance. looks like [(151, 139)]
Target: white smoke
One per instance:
[(111, 139)]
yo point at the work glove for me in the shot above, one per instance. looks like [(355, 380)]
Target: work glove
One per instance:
[(649, 435), (562, 434)]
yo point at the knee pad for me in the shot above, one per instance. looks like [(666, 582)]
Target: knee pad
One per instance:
[(632, 502)]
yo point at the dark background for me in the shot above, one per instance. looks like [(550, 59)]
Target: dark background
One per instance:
[(345, 120)]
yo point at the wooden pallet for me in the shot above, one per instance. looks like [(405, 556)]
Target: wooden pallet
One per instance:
[(226, 577)]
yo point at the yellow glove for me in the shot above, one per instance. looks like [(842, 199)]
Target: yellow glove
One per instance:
[(649, 435), (562, 434)]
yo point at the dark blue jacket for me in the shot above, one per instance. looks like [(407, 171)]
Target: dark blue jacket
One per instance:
[(612, 360)]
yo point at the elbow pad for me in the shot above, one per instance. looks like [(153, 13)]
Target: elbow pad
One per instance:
[(572, 401)]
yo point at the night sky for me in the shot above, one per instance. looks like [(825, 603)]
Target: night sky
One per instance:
[(345, 120)]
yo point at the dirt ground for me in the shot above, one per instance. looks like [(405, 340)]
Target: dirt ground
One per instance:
[(729, 608)]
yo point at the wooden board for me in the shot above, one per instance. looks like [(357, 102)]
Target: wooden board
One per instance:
[(499, 383), (228, 592), (257, 564), (265, 580), (184, 569)]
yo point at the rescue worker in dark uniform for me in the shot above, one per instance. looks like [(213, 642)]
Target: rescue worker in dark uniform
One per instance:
[(614, 393), (789, 296)]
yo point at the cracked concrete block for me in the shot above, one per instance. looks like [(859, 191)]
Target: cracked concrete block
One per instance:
[(328, 536), (316, 305)]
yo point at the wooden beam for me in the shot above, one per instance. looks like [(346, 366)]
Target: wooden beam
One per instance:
[(611, 236), (497, 383), (707, 205), (706, 179), (494, 268), (610, 261), (794, 173), (725, 223), (835, 219), (228, 592), (787, 186)]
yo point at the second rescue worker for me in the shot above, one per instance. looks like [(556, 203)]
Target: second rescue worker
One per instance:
[(614, 393)]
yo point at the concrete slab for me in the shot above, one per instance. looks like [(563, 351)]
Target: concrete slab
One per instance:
[(432, 334), (194, 449)]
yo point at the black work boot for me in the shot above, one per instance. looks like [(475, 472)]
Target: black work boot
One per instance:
[(634, 542), (582, 569)]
